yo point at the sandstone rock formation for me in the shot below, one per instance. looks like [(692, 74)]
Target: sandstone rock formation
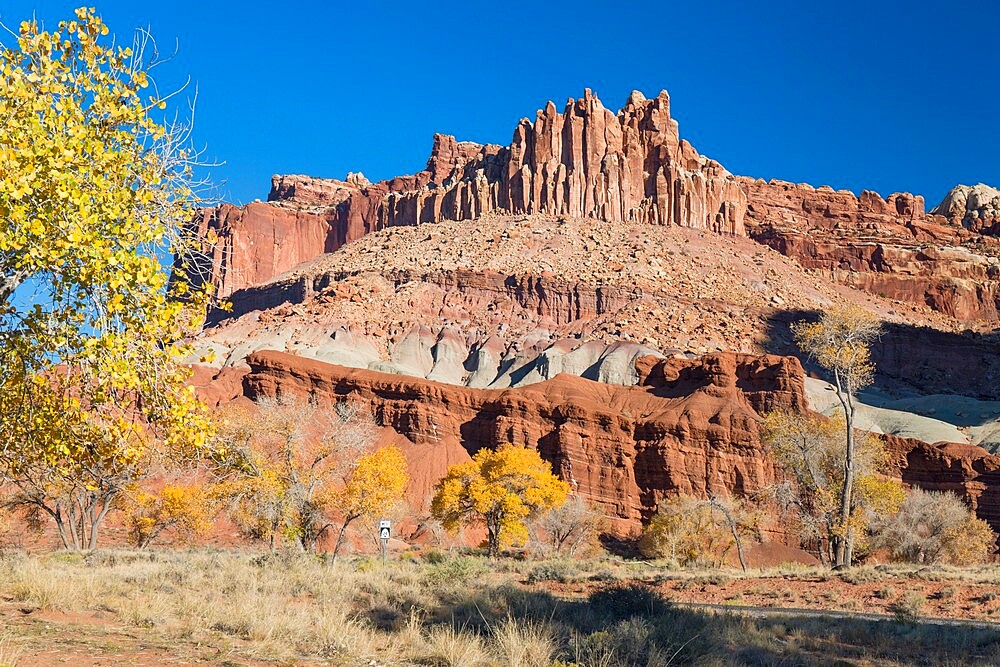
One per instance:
[(584, 289), (689, 426), (585, 161), (588, 162), (975, 207), (888, 246)]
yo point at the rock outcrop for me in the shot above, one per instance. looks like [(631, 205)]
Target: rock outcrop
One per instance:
[(975, 207), (689, 426), (588, 162), (585, 161), (889, 247)]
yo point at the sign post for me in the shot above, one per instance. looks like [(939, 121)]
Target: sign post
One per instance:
[(384, 532)]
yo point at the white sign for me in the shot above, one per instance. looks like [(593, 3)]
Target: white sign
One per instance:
[(384, 528)]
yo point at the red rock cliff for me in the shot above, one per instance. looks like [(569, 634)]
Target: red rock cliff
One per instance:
[(688, 427), (588, 162), (585, 161), (691, 427)]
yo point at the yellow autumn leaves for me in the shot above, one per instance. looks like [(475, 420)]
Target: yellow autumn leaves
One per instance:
[(92, 194), (500, 489)]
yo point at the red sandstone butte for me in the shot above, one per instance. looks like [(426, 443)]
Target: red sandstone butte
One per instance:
[(587, 161)]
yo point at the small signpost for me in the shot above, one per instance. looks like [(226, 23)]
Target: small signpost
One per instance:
[(384, 532)]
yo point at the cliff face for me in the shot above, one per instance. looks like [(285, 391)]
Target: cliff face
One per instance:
[(588, 162), (585, 161), (889, 247), (689, 426), (976, 207)]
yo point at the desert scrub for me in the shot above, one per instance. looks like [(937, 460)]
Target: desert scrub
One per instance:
[(293, 608), (908, 607), (563, 571), (456, 571), (885, 592), (861, 575), (10, 652)]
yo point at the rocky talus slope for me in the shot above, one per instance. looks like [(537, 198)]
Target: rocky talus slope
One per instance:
[(599, 290)]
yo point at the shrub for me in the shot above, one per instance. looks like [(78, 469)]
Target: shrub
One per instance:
[(434, 556), (935, 527), (969, 543), (907, 608), (623, 602), (456, 571), (571, 526), (686, 531), (557, 570)]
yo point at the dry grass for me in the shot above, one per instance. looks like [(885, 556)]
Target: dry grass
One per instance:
[(462, 611), (10, 652)]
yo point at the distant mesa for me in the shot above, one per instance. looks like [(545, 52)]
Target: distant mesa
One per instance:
[(588, 162), (600, 290)]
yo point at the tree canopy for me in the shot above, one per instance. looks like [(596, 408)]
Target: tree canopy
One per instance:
[(95, 190), (500, 489), (841, 342)]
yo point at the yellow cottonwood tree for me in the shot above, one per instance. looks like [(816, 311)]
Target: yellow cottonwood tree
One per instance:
[(841, 342), (94, 192), (184, 508), (500, 489), (281, 465), (809, 448), (375, 484)]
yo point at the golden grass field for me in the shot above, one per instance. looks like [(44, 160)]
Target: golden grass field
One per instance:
[(244, 608)]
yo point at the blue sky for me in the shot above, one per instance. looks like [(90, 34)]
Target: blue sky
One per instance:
[(881, 95)]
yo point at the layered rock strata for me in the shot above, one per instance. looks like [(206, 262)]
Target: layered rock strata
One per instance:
[(586, 161), (689, 426)]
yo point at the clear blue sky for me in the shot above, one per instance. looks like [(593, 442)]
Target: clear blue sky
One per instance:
[(881, 95)]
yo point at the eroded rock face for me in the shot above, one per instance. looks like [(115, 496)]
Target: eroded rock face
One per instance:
[(585, 161), (889, 247), (689, 426), (966, 470), (975, 207), (589, 162)]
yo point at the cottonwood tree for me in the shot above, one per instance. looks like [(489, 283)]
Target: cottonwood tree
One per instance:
[(499, 489), (187, 509), (371, 488), (688, 530), (570, 526), (94, 191), (810, 450), (281, 463), (840, 342)]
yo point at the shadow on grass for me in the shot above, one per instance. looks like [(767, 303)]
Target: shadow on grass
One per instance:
[(635, 625)]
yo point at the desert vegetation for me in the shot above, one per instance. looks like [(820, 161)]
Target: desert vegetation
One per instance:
[(244, 608), (99, 428)]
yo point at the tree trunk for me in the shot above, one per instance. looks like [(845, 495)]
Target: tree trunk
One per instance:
[(493, 537), (96, 522), (733, 528), (341, 536), (844, 541), (64, 534)]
